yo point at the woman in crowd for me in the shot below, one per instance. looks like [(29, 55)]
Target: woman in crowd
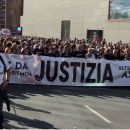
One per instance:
[(26, 51), (127, 54), (107, 54), (8, 47), (18, 49), (73, 50), (66, 52), (13, 50)]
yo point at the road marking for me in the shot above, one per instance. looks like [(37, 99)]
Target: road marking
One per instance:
[(97, 114)]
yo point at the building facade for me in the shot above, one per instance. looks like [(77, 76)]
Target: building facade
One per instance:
[(93, 19), (10, 12)]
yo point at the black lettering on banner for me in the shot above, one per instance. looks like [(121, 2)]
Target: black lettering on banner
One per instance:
[(82, 72), (51, 79), (18, 65), (25, 67), (108, 71), (93, 66), (22, 73), (37, 77), (26, 73), (64, 71), (120, 68), (99, 73), (75, 65), (125, 75)]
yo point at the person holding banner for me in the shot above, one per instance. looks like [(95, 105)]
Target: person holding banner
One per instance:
[(66, 52), (4, 68)]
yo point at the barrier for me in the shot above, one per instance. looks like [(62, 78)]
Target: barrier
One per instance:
[(42, 70)]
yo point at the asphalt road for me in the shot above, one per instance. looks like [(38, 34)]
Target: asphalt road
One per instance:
[(40, 107)]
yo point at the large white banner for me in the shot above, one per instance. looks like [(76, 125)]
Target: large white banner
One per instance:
[(42, 70)]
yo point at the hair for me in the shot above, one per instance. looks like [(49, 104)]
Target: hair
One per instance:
[(73, 46), (107, 50), (12, 48), (9, 45), (64, 50), (26, 47), (18, 46), (90, 49)]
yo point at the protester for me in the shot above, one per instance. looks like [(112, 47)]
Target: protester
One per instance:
[(26, 51), (66, 52), (90, 54), (80, 53), (53, 47), (18, 49), (13, 50), (8, 47), (39, 50)]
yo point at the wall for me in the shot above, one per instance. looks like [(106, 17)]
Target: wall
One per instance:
[(43, 18)]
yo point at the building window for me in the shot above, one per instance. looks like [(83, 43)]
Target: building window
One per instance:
[(119, 9), (95, 35), (65, 29)]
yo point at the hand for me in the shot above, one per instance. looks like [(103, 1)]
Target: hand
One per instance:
[(4, 85)]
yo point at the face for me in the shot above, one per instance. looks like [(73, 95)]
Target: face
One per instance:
[(67, 49), (26, 51), (47, 44), (115, 52), (19, 48), (108, 51), (128, 51), (90, 51), (14, 51), (74, 49), (37, 46), (41, 47), (52, 50), (80, 48), (102, 54)]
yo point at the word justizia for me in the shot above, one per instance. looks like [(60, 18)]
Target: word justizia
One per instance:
[(107, 75)]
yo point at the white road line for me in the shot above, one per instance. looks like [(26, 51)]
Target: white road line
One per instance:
[(97, 114)]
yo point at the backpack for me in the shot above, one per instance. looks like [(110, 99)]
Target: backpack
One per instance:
[(1, 59)]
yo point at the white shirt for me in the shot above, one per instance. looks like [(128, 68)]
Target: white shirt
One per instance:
[(2, 68), (92, 57)]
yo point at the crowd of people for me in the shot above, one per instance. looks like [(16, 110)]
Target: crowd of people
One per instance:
[(24, 45)]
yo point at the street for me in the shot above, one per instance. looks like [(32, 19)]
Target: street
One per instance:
[(45, 107)]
